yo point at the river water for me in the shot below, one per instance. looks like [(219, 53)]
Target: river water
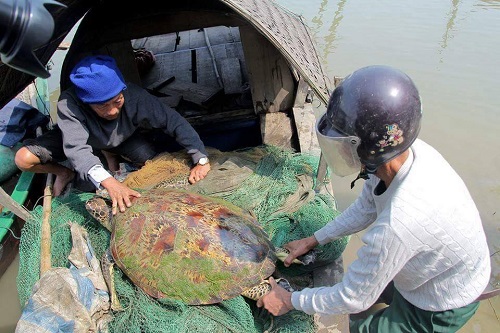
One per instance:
[(451, 49)]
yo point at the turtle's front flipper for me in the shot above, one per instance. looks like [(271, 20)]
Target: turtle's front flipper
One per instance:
[(107, 267), (264, 287), (305, 259)]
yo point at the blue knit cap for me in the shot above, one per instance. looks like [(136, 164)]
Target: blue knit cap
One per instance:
[(97, 79)]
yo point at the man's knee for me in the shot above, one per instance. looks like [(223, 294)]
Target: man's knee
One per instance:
[(25, 159)]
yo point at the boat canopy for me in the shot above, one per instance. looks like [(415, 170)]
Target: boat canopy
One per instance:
[(111, 21)]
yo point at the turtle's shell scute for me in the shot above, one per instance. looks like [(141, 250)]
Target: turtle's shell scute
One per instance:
[(182, 245)]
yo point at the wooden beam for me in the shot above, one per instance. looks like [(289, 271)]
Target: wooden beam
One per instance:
[(300, 96), (9, 203), (276, 130), (271, 79), (305, 123)]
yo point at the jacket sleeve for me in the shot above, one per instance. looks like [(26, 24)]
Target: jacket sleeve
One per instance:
[(358, 216), (379, 260), (75, 136)]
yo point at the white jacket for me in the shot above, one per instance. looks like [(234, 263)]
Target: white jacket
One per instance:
[(424, 232)]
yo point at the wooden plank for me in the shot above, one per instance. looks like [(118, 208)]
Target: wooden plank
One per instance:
[(234, 33), (235, 50), (184, 40), (205, 66), (217, 36), (10, 224), (222, 35), (163, 69), (7, 202), (270, 78), (179, 63), (157, 44), (12, 204), (276, 130), (182, 67), (301, 94), (192, 92), (305, 123), (196, 39), (230, 71)]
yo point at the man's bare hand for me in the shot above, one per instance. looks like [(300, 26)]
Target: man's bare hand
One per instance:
[(119, 194), (198, 172), (278, 301), (299, 247)]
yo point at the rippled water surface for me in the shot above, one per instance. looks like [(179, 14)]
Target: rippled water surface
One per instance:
[(451, 49)]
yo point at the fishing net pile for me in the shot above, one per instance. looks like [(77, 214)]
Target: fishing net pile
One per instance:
[(274, 185)]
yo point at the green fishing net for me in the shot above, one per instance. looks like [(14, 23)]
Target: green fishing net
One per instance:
[(276, 186)]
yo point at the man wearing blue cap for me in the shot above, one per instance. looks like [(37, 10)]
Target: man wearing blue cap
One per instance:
[(102, 113)]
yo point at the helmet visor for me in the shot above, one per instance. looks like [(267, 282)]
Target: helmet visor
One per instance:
[(339, 150)]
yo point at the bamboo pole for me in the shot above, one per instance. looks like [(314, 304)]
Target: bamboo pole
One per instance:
[(45, 256)]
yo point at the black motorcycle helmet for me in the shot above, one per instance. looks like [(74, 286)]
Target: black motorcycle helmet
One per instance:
[(25, 26), (373, 116)]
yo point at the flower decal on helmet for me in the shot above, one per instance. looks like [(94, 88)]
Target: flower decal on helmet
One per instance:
[(393, 137)]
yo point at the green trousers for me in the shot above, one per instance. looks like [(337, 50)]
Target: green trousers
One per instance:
[(402, 316)]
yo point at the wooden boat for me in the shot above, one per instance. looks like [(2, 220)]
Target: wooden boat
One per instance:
[(23, 189), (19, 191), (242, 72), (279, 57)]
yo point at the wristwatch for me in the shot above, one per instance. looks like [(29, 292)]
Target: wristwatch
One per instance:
[(203, 161)]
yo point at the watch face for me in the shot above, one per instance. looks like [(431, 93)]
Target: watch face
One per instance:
[(203, 161)]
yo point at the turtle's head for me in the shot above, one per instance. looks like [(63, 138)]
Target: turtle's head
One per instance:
[(100, 209)]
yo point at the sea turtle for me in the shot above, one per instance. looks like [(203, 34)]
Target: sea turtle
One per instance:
[(177, 244)]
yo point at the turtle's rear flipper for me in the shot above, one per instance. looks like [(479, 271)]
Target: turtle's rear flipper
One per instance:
[(107, 267), (264, 287)]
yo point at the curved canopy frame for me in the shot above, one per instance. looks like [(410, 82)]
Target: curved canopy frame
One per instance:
[(115, 20)]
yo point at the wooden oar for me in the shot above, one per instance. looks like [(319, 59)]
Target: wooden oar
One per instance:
[(9, 203)]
